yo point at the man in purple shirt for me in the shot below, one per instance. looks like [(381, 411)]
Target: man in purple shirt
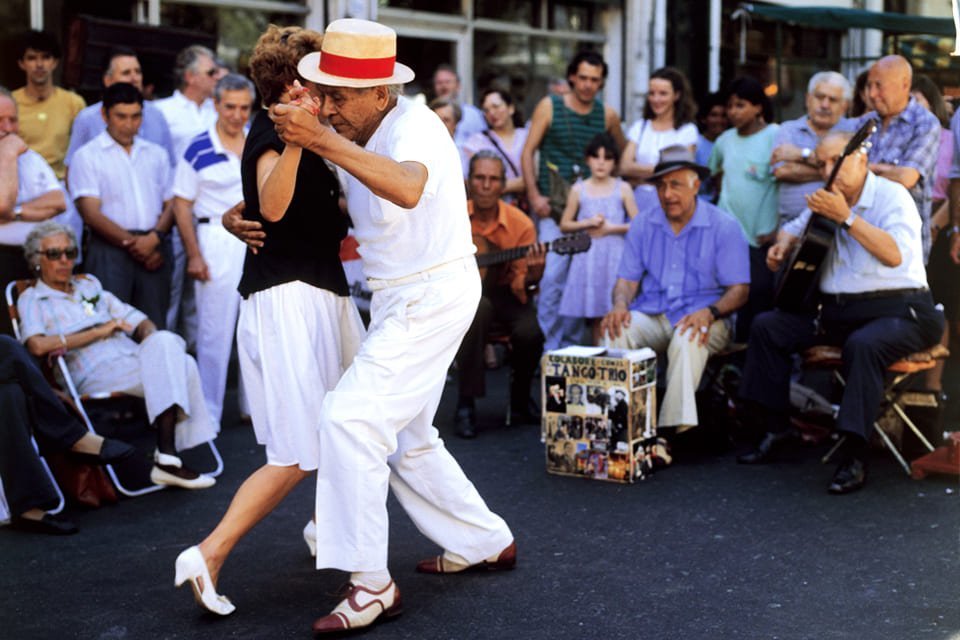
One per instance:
[(685, 269), (905, 146)]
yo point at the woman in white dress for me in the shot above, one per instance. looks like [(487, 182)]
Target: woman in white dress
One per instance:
[(668, 120)]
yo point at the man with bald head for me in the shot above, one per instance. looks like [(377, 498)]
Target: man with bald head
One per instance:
[(122, 66), (874, 303), (905, 147), (685, 269)]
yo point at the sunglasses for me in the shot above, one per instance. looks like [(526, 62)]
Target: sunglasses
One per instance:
[(70, 253)]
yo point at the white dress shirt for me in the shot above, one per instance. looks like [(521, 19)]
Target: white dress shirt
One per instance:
[(131, 187), (34, 178), (186, 119)]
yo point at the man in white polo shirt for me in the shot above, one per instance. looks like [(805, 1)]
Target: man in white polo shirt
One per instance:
[(121, 184), (207, 183), (406, 198)]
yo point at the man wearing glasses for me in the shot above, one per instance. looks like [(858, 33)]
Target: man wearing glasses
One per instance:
[(121, 185), (189, 112), (29, 193)]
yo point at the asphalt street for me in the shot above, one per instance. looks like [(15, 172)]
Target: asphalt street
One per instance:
[(703, 549)]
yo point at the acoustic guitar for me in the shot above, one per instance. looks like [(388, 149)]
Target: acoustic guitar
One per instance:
[(799, 283), (564, 245)]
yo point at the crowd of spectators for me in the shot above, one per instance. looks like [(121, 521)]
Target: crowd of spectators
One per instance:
[(693, 199)]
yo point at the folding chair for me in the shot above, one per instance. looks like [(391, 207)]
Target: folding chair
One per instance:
[(903, 371), (5, 507), (13, 291)]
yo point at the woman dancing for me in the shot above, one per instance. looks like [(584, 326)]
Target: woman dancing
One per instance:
[(298, 328)]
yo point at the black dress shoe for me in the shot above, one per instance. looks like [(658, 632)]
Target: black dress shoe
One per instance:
[(111, 451), (465, 422), (850, 476), (765, 450), (48, 524)]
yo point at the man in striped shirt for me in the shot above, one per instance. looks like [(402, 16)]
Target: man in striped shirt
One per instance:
[(207, 183)]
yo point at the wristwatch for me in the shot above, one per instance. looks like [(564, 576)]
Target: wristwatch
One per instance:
[(805, 153), (161, 235), (716, 312), (18, 213), (846, 224)]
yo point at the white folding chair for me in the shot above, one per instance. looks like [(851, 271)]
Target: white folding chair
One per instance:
[(13, 291)]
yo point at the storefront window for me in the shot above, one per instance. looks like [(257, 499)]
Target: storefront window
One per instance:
[(514, 12), (236, 30), (14, 20), (521, 64), (573, 16), (453, 7)]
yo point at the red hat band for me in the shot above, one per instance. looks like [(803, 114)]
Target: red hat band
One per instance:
[(364, 68)]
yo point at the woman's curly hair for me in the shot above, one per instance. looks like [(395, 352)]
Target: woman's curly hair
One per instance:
[(273, 64)]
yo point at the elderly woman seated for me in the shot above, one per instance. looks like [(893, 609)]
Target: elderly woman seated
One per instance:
[(110, 346)]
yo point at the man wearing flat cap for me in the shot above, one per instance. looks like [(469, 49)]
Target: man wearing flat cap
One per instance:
[(405, 195), (685, 269)]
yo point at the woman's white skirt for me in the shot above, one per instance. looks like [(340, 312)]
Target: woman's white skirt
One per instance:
[(294, 341)]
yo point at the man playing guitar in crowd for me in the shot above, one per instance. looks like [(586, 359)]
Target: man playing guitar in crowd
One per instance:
[(874, 302), (505, 304)]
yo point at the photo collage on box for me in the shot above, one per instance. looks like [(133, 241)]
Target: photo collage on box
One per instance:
[(592, 426)]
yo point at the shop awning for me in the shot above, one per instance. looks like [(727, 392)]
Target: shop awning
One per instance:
[(843, 19)]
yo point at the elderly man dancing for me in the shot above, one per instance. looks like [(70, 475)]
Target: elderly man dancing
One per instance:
[(406, 198)]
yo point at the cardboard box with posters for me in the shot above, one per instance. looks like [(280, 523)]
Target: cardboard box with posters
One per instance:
[(599, 411)]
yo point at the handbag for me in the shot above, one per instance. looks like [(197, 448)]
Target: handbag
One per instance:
[(559, 192), (82, 483)]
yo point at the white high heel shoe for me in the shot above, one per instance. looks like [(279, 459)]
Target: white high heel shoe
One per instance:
[(191, 566), (310, 537)]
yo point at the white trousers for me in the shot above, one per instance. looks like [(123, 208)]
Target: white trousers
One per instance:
[(686, 360), (162, 373), (379, 419), (217, 304)]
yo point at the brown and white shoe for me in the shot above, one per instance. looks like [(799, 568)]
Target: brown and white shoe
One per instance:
[(361, 607), (503, 561)]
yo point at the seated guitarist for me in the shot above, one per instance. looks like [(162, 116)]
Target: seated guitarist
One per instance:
[(874, 302), (505, 306)]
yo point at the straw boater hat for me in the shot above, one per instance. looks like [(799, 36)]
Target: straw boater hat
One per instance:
[(677, 157), (355, 53)]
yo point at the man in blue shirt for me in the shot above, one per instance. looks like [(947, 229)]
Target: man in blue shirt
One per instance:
[(794, 166), (904, 148), (875, 303), (122, 66), (685, 269)]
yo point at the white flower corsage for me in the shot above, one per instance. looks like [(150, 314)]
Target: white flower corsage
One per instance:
[(89, 304)]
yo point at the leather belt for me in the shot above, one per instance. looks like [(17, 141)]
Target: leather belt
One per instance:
[(840, 298)]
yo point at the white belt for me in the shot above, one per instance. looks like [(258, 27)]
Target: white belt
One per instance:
[(454, 266)]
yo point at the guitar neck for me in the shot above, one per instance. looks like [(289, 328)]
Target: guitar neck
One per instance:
[(505, 255)]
